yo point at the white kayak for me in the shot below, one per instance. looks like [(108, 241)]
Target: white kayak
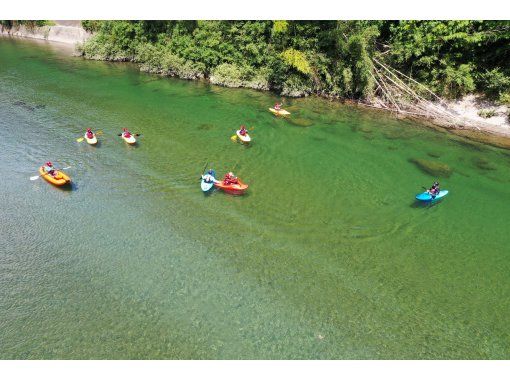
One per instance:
[(246, 138), (130, 140), (207, 182), (91, 141)]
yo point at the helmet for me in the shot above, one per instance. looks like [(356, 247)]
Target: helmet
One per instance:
[(89, 130), (436, 183), (124, 129), (231, 174), (210, 172), (49, 163)]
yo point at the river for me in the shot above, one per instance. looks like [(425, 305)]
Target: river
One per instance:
[(327, 256)]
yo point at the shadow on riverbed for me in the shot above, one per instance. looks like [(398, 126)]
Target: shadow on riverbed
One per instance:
[(420, 204), (28, 107)]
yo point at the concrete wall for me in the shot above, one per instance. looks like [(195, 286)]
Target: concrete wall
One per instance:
[(65, 31)]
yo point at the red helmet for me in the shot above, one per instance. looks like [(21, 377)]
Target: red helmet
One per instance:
[(49, 163), (89, 130)]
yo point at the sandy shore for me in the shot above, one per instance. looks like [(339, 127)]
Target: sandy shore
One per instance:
[(468, 110)]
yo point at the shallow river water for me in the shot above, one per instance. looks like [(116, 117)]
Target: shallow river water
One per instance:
[(327, 256)]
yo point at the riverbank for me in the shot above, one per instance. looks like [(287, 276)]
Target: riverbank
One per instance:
[(66, 31), (463, 117)]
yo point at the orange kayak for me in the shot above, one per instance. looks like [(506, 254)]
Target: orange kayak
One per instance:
[(59, 179), (236, 189)]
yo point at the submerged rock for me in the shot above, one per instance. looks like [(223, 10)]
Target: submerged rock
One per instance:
[(483, 164), (205, 127), (436, 169), (397, 134), (300, 122), (433, 154)]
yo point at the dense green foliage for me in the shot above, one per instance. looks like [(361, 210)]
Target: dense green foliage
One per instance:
[(296, 58), (28, 23)]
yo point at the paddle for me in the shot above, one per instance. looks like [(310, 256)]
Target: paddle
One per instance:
[(203, 170), (33, 178)]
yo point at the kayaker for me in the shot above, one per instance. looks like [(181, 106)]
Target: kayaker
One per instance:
[(243, 131), (126, 133), (89, 133), (277, 106), (434, 190), (209, 177), (230, 179), (48, 168)]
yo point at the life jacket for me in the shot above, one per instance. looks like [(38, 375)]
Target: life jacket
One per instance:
[(126, 134), (90, 134)]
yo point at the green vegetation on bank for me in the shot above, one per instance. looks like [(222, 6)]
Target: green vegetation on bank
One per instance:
[(28, 23), (296, 58), (331, 58)]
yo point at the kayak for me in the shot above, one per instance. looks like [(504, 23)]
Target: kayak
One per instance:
[(426, 197), (60, 178), (245, 139), (236, 189), (130, 140), (279, 112), (92, 141), (206, 186), (207, 182)]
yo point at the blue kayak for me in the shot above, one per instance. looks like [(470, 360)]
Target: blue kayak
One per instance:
[(426, 197)]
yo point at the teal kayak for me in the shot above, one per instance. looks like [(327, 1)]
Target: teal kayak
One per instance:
[(207, 182), (426, 197), (206, 186)]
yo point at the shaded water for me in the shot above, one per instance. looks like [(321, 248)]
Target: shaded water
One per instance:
[(326, 256)]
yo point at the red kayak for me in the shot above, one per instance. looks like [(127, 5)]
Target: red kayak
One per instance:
[(236, 189)]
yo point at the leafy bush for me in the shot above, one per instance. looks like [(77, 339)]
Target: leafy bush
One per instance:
[(505, 99), (494, 83), (300, 57), (487, 113), (454, 82), (297, 60), (296, 86)]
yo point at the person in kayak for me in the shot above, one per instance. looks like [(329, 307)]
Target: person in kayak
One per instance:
[(126, 133), (278, 106), (48, 168), (230, 179), (434, 190), (209, 177), (243, 131), (89, 133)]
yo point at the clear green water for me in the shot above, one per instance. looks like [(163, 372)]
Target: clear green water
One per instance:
[(327, 256)]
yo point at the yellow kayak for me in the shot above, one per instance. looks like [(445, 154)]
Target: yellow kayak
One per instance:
[(59, 179), (279, 112)]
